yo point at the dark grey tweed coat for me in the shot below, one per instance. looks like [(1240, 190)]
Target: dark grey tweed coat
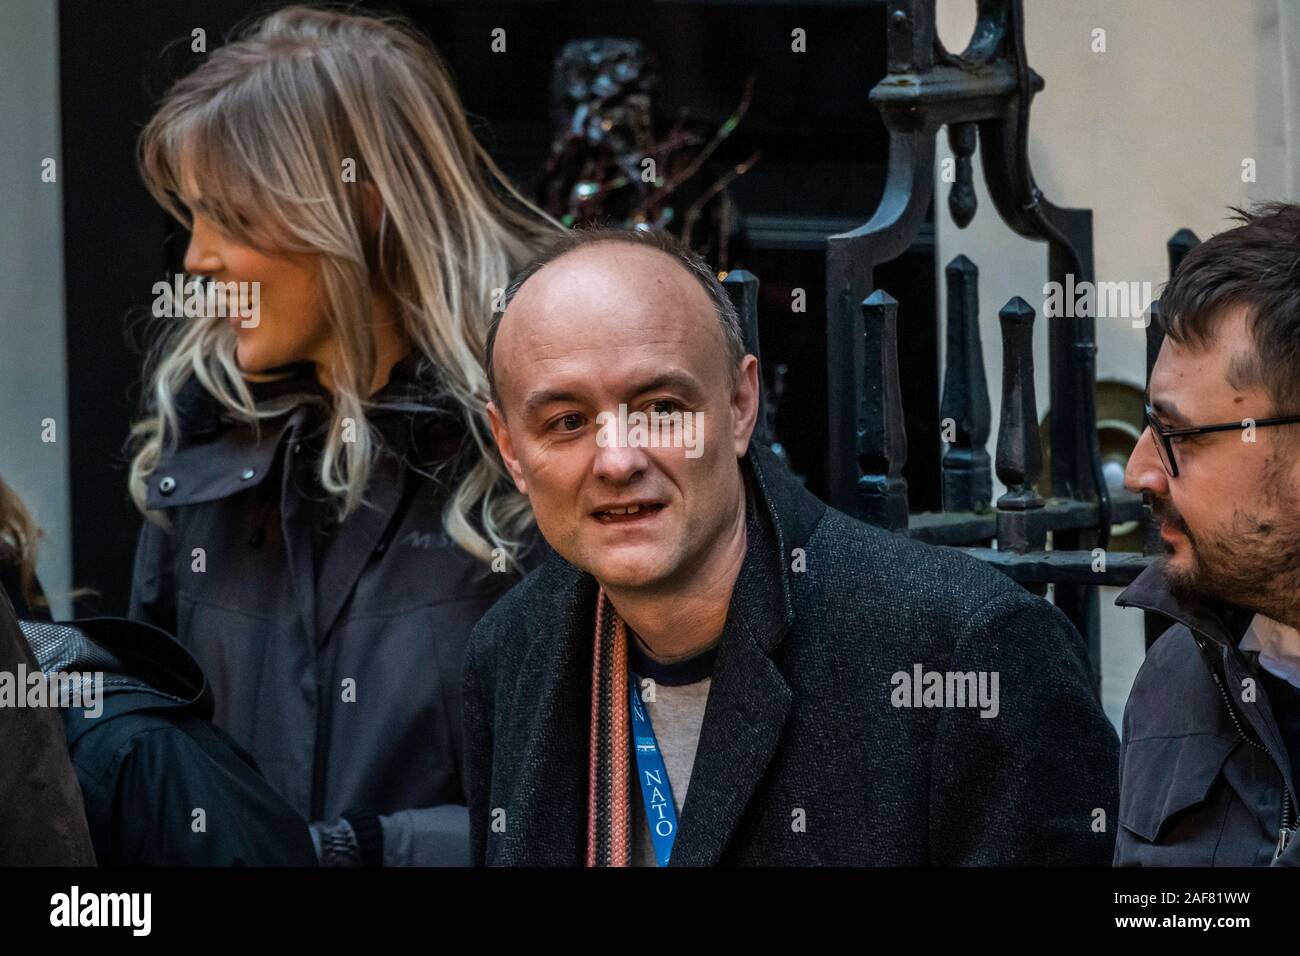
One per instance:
[(803, 758)]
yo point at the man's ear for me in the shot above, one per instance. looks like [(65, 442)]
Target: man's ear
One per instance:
[(744, 404), (501, 433)]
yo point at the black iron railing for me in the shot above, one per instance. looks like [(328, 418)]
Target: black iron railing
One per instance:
[(982, 96)]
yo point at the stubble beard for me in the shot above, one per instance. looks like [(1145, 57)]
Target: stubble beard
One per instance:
[(1254, 563)]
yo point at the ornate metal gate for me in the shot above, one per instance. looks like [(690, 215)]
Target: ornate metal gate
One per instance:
[(982, 96)]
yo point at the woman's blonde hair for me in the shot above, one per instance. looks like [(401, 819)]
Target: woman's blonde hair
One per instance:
[(281, 128)]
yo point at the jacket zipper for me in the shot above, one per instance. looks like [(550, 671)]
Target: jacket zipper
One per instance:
[(1287, 829)]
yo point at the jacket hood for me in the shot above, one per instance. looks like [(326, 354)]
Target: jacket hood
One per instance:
[(143, 667)]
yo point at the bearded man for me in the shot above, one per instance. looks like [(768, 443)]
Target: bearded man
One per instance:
[(1211, 734)]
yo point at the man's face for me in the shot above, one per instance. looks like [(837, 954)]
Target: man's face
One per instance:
[(1230, 521), (605, 325)]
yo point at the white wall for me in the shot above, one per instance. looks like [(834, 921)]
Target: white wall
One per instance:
[(1150, 135), (32, 364)]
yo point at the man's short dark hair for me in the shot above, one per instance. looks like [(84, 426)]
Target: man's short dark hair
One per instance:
[(732, 335), (1256, 265)]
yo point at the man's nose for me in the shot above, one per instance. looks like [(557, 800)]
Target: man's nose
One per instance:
[(1144, 471), (618, 462)]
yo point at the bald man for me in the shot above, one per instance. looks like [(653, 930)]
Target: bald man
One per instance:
[(713, 667)]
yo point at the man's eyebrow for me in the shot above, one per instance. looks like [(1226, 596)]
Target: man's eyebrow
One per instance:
[(664, 380), (668, 380), (1168, 411), (545, 397)]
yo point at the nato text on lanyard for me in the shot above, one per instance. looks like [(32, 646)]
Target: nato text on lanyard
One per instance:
[(660, 811)]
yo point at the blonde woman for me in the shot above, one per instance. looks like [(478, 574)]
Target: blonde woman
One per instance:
[(328, 519)]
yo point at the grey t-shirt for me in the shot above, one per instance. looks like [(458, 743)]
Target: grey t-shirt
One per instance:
[(676, 712)]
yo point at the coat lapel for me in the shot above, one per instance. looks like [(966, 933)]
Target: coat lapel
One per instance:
[(550, 717), (749, 699), (749, 702)]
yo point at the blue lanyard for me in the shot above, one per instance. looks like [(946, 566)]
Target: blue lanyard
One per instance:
[(661, 812)]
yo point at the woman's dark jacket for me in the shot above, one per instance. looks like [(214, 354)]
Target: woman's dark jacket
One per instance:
[(333, 650)]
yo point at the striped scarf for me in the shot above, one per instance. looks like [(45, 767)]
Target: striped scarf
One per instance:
[(609, 817)]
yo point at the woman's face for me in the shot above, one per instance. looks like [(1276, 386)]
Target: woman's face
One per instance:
[(288, 322)]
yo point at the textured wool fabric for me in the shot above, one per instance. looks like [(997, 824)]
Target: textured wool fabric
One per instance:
[(803, 757)]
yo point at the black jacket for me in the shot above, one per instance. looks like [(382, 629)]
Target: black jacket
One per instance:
[(42, 820), (799, 715), (334, 651), (162, 786), (1205, 778)]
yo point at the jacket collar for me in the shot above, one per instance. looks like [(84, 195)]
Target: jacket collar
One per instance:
[(1219, 621), (749, 699), (413, 386), (216, 456)]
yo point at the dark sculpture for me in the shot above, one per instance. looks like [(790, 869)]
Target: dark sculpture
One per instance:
[(608, 166)]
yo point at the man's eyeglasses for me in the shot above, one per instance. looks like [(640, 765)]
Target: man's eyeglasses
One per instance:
[(1165, 437)]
